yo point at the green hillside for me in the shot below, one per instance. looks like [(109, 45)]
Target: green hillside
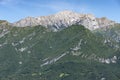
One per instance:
[(74, 53)]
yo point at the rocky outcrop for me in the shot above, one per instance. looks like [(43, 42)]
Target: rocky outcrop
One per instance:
[(64, 19), (3, 23), (104, 22)]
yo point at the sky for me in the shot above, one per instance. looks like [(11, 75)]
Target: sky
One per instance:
[(14, 10)]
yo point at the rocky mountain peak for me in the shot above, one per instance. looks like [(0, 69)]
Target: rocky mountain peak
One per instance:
[(3, 21), (3, 24), (64, 19), (104, 22)]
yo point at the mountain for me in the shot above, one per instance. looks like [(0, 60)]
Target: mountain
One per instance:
[(74, 51), (4, 23), (111, 34), (64, 19)]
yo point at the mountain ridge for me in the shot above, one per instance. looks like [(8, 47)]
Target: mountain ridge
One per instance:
[(37, 53), (64, 19)]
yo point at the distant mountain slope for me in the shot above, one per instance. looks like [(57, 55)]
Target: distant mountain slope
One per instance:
[(111, 35), (74, 53), (65, 19)]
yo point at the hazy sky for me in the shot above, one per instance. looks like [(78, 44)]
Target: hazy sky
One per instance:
[(13, 10)]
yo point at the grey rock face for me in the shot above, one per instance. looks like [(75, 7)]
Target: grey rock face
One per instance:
[(104, 22), (64, 19)]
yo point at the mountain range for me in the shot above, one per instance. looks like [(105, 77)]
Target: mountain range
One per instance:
[(63, 46), (64, 19)]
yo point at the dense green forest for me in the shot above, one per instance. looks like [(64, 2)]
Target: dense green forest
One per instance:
[(74, 53)]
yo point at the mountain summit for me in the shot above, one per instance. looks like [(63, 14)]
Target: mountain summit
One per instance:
[(64, 19)]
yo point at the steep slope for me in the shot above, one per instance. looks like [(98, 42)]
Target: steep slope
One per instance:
[(111, 35), (74, 53)]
